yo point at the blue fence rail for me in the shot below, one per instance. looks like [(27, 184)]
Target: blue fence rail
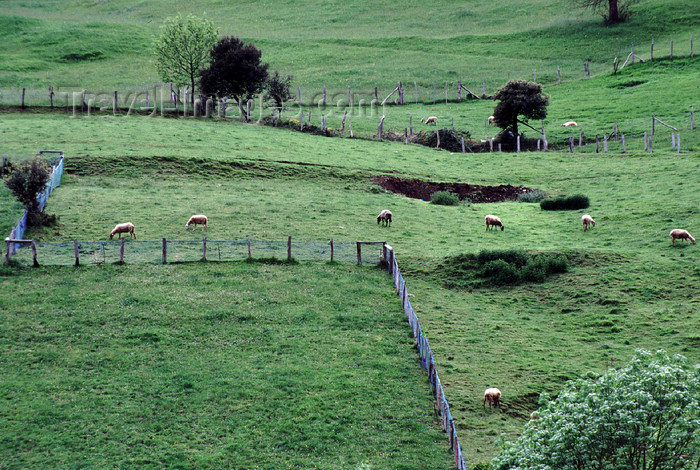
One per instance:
[(427, 359), (17, 232)]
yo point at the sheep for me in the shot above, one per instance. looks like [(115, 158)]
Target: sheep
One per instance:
[(493, 396), (384, 216), (200, 219), (678, 233), (587, 221), (492, 221), (492, 120), (430, 119), (127, 227), (570, 124)]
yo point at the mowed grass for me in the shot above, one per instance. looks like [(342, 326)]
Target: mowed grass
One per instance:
[(230, 365), (627, 287)]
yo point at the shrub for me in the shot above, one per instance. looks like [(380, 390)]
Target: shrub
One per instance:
[(577, 201), (532, 196), (516, 257), (500, 272), (444, 198), (534, 272), (27, 180)]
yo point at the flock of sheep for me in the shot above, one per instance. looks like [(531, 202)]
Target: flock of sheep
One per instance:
[(491, 120), (128, 227)]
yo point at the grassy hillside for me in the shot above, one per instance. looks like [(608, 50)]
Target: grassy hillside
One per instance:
[(105, 46)]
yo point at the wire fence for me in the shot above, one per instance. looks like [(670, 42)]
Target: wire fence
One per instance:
[(427, 359), (180, 251), (17, 232)]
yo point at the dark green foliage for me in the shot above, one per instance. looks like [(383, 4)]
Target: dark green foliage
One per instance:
[(562, 203), (444, 198), (516, 257), (532, 196), (235, 70), (518, 98), (279, 88), (500, 272), (27, 180), (500, 268), (449, 139)]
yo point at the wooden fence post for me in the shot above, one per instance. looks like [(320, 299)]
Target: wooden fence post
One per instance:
[(605, 142), (51, 93), (463, 148), (379, 128), (692, 119), (114, 103), (332, 249), (622, 139), (376, 94), (673, 140), (597, 144), (7, 250), (571, 144), (250, 254), (653, 124), (23, 91), (204, 249), (534, 75), (518, 143), (289, 248), (76, 252), (410, 120), (416, 86), (35, 262), (165, 251), (121, 252), (580, 138), (437, 133), (359, 253), (405, 135), (459, 91), (324, 95)]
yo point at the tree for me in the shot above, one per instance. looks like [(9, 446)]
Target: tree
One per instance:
[(182, 49), (279, 89), (27, 180), (235, 71), (519, 98), (642, 417), (617, 10)]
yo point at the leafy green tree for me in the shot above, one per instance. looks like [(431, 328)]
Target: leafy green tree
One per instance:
[(642, 417), (235, 71), (27, 180), (182, 49), (519, 98), (617, 10)]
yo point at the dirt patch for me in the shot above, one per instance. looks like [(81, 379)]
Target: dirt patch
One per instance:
[(420, 189)]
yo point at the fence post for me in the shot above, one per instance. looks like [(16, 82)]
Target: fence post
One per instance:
[(289, 248), (121, 252), (23, 90), (250, 255), (359, 253), (650, 150), (463, 148), (35, 262), (622, 139), (692, 119), (114, 104), (204, 249), (165, 251), (605, 142), (410, 122), (571, 144), (580, 138), (76, 251), (331, 249), (51, 93), (518, 140)]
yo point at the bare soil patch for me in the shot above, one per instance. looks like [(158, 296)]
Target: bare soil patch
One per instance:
[(420, 189)]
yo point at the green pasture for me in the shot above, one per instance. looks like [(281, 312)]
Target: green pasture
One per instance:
[(211, 366), (627, 287), (106, 46)]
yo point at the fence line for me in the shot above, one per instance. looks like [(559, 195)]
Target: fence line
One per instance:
[(18, 230), (427, 359)]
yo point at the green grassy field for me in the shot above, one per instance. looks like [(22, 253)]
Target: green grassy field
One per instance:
[(626, 286)]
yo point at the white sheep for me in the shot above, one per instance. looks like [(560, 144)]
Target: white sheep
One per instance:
[(492, 120), (680, 234), (127, 227), (493, 221), (430, 119), (493, 396), (384, 216), (200, 219), (570, 124), (587, 221)]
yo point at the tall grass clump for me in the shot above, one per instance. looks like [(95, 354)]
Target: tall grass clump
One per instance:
[(444, 198), (536, 195), (565, 203)]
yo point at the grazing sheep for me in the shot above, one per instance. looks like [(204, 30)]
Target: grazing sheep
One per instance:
[(493, 396), (200, 219), (678, 233), (492, 120), (493, 221), (569, 124), (587, 221), (430, 119), (127, 227), (384, 216)]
